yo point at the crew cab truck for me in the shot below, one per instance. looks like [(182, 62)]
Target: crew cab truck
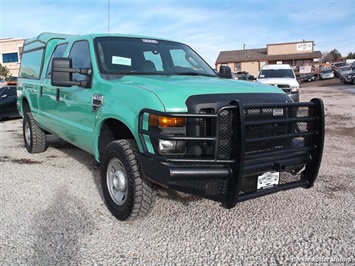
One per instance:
[(154, 113), (282, 76)]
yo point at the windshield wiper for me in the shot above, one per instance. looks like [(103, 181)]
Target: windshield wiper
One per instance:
[(135, 72), (191, 73)]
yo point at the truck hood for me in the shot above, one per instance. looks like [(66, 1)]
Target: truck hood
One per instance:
[(174, 90), (345, 72), (278, 81)]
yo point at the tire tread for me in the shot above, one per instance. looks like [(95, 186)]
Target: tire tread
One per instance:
[(38, 141), (144, 191)]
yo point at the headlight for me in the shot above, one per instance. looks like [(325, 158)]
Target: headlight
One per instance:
[(166, 127), (295, 88)]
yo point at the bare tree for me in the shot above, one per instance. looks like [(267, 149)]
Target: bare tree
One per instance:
[(332, 56), (327, 57)]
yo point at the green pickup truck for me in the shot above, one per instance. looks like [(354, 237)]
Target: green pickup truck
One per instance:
[(154, 113)]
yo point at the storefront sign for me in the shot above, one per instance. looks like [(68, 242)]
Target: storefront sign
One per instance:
[(305, 46)]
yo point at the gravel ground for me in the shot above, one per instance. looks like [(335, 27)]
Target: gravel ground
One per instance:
[(52, 210)]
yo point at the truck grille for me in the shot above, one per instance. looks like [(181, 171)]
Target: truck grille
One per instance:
[(277, 134), (286, 88), (224, 138), (223, 135)]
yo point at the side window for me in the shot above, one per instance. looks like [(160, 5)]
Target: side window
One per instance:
[(80, 53), (31, 64), (9, 91), (58, 52), (237, 66)]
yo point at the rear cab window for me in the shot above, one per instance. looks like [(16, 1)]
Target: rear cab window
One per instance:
[(31, 63)]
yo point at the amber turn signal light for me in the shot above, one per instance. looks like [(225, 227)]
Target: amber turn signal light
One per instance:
[(165, 121)]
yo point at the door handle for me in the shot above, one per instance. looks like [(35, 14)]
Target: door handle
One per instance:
[(57, 94)]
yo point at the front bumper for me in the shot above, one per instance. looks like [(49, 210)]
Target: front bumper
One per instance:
[(289, 142), (347, 80), (295, 96)]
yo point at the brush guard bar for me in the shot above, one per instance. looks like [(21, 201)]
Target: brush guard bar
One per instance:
[(248, 140)]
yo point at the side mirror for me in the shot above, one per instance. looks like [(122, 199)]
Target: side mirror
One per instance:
[(62, 73), (225, 72)]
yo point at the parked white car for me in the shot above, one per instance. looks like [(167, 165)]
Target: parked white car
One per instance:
[(326, 74)]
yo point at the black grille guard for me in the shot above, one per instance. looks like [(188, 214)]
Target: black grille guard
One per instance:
[(267, 136)]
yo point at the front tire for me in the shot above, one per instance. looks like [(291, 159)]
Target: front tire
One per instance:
[(127, 193), (33, 136)]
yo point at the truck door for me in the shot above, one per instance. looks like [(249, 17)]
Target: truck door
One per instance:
[(75, 103), (72, 106), (47, 95)]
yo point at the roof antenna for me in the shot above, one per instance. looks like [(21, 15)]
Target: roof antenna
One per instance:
[(108, 17)]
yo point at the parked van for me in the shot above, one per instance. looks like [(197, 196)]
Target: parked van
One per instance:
[(282, 76)]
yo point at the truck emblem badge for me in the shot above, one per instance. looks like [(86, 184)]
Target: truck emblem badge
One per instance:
[(277, 112), (96, 102)]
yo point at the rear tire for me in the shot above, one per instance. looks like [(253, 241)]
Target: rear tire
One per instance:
[(127, 193), (33, 136)]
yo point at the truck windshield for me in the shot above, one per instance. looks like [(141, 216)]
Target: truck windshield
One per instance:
[(276, 73), (132, 56)]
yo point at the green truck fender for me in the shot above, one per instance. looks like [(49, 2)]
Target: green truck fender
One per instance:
[(122, 120)]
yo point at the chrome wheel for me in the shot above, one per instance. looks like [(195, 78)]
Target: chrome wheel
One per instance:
[(27, 134), (117, 181)]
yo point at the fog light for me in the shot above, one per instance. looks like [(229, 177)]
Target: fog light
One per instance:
[(171, 146), (167, 145)]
